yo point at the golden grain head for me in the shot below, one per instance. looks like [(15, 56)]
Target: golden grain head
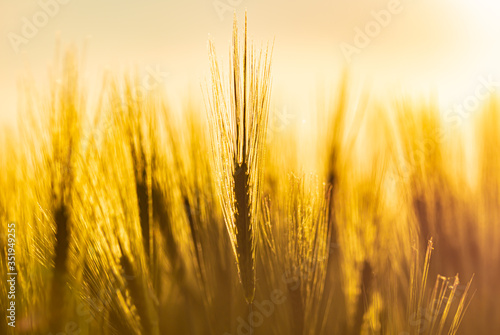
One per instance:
[(160, 224)]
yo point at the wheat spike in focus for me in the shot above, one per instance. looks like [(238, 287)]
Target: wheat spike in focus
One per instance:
[(238, 123)]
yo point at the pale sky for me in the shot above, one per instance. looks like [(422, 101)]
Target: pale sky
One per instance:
[(423, 45)]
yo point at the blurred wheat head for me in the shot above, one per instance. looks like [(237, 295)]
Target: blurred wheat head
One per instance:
[(187, 226)]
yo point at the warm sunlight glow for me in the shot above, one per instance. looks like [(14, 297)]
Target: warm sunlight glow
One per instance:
[(237, 167)]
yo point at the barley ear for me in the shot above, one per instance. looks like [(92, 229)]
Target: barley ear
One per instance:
[(238, 122)]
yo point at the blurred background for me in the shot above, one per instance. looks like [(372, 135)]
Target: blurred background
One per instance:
[(422, 46), (387, 173)]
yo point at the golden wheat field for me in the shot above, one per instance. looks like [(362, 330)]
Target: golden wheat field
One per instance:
[(137, 220)]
